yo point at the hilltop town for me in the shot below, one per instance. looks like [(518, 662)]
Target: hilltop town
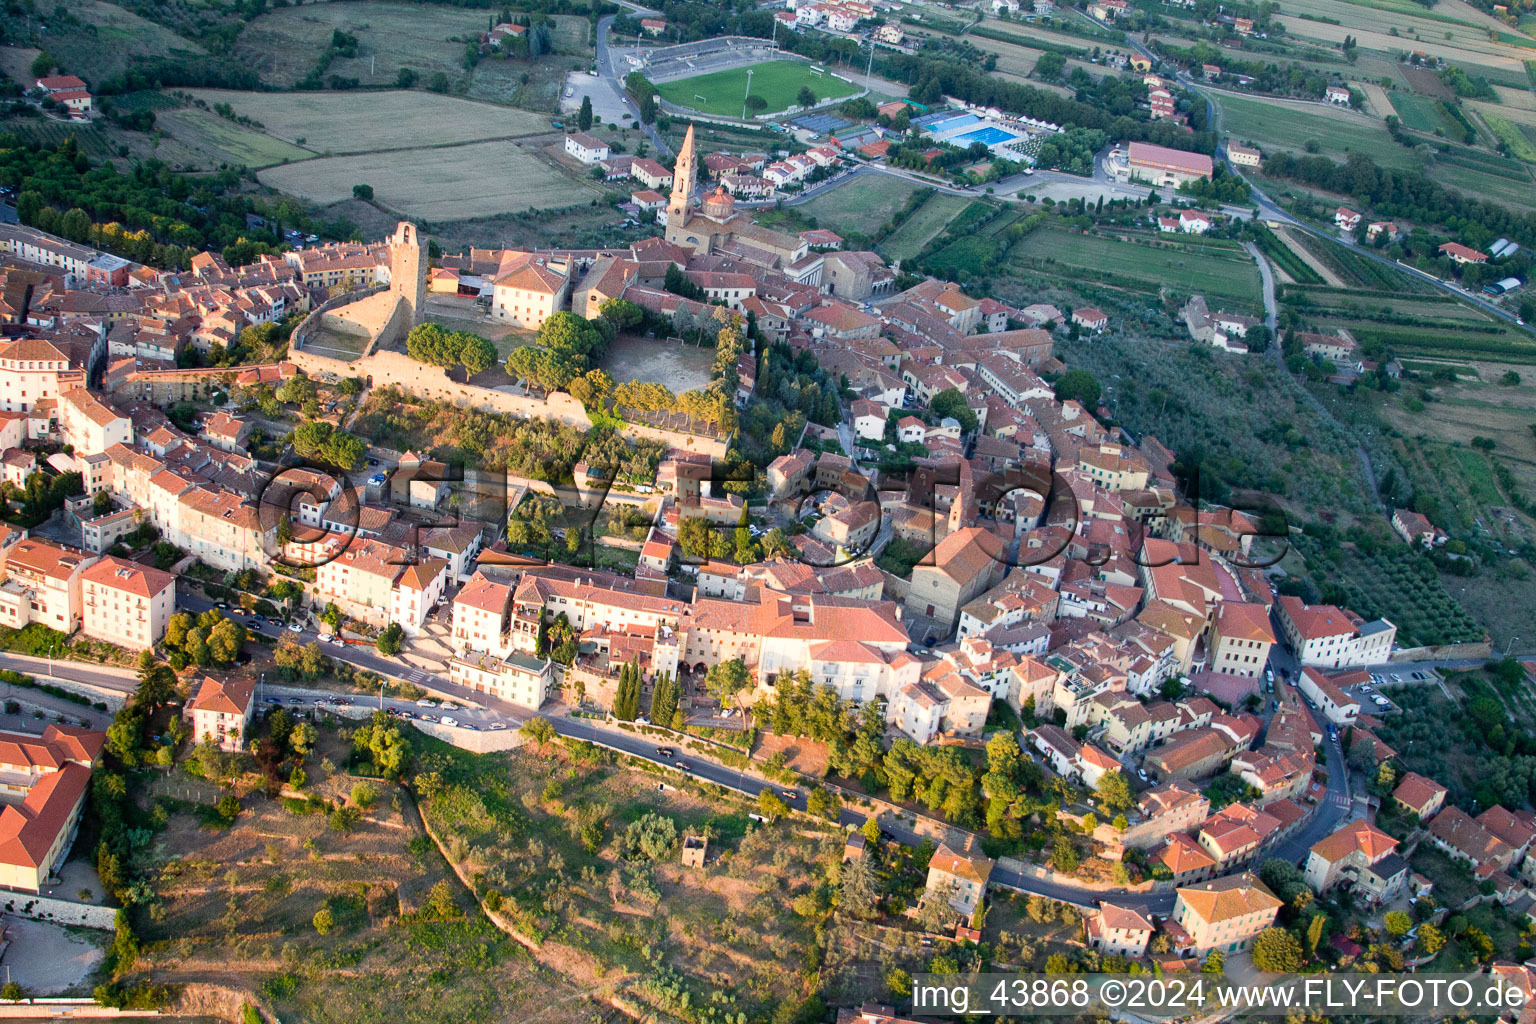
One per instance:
[(657, 546)]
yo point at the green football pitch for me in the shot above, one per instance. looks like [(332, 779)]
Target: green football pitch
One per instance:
[(778, 82)]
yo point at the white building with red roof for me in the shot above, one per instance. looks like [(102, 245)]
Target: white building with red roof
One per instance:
[(50, 774), (126, 604), (1326, 636), (221, 710)]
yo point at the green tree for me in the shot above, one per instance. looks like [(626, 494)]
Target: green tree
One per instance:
[(1079, 385), (324, 921), (770, 805), (1064, 856), (363, 192), (1214, 961), (390, 640), (1315, 932), (859, 893), (380, 738), (12, 992), (1114, 791), (951, 403), (650, 837), (871, 830), (805, 97), (539, 731), (584, 115), (1277, 951), (664, 699), (727, 679)]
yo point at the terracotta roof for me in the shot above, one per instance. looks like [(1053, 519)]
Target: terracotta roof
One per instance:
[(1126, 918), (1416, 791), (1182, 855), (1358, 835), (229, 696), (976, 867), (1223, 899), (420, 575), (1241, 620), (484, 593), (28, 829), (121, 574)]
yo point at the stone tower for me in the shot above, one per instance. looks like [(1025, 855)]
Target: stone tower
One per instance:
[(408, 268), (684, 177)]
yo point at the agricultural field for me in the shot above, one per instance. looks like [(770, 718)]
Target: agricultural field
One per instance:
[(1397, 584), (285, 43), (1510, 188), (1015, 59), (1423, 114), (94, 39), (1141, 265), (1028, 34), (1476, 405), (221, 141), (342, 123), (1458, 33), (863, 204), (1413, 326), (530, 85), (917, 230), (776, 81), (1518, 143), (442, 184), (1288, 124)]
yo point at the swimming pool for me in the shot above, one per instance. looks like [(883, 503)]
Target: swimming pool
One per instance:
[(951, 124), (989, 135)]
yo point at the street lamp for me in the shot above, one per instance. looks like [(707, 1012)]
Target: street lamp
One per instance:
[(746, 94)]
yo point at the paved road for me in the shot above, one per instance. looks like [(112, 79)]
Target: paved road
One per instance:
[(486, 711), (609, 71), (1270, 211), (1267, 279)]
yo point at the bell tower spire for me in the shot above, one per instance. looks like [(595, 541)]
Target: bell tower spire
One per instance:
[(684, 176)]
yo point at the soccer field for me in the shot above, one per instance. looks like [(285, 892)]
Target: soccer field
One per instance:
[(778, 82)]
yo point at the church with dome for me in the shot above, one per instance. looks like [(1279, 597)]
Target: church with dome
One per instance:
[(710, 225)]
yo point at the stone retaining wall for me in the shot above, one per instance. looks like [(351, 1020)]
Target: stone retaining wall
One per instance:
[(59, 911)]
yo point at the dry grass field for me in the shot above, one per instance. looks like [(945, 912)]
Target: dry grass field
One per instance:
[(235, 905), (549, 833), (1012, 58), (439, 184), (1467, 46), (216, 140), (344, 122), (285, 42)]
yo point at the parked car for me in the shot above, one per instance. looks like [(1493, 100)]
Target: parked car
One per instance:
[(325, 638), (498, 726), (424, 703), (447, 720), (294, 627), (664, 751)]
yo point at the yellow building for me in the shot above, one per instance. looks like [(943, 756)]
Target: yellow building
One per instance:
[(1225, 913)]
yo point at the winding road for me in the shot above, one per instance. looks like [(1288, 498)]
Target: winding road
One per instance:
[(488, 712)]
